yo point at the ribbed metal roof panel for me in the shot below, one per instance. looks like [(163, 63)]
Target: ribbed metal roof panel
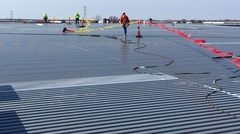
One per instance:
[(34, 57)]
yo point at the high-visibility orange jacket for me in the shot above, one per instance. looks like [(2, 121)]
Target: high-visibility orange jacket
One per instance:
[(124, 19)]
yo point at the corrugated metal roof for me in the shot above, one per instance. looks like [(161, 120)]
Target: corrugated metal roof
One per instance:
[(78, 83)]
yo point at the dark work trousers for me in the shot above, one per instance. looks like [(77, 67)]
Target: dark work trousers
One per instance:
[(77, 21), (45, 20)]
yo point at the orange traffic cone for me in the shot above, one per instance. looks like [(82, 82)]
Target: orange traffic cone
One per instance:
[(138, 27), (82, 23)]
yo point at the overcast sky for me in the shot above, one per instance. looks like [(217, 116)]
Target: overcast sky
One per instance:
[(135, 9)]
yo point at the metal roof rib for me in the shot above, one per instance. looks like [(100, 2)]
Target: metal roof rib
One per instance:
[(90, 82)]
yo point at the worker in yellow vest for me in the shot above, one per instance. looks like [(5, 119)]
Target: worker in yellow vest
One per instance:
[(76, 16), (45, 17)]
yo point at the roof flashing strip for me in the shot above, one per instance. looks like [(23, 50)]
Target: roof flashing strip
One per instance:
[(199, 42)]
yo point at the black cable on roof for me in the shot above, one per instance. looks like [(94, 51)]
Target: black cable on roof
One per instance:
[(220, 89)]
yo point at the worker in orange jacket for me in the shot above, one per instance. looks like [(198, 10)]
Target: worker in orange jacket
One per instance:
[(124, 20)]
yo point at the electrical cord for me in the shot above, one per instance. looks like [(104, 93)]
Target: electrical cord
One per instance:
[(220, 89), (144, 45)]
